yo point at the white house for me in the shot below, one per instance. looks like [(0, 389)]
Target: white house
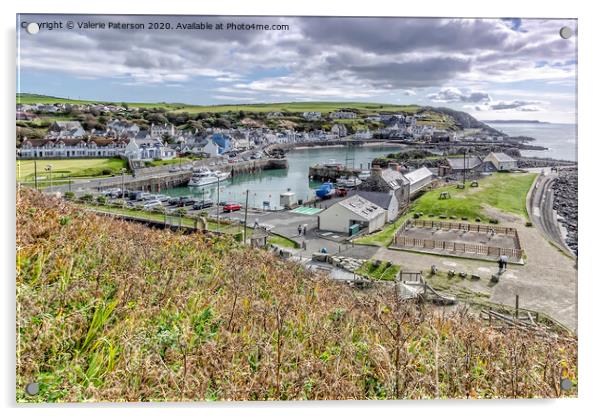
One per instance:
[(350, 211), (339, 130), (386, 200), (419, 179), (501, 161), (148, 149), (159, 130), (342, 115), (312, 115)]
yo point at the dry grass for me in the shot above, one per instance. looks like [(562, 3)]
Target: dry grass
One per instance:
[(112, 311)]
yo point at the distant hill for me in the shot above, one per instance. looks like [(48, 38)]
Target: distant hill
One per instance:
[(516, 122), (442, 117)]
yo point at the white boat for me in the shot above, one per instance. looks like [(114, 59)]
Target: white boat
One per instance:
[(207, 177), (365, 174), (348, 182)]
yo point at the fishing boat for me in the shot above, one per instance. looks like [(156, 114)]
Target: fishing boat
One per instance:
[(326, 190), (365, 174)]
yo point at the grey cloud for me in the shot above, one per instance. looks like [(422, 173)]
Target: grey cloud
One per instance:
[(509, 105), (451, 95)]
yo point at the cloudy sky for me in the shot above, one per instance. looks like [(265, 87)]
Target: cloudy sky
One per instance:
[(492, 68)]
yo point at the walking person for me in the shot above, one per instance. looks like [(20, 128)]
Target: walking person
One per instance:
[(299, 229), (504, 260), (500, 264), (304, 229)]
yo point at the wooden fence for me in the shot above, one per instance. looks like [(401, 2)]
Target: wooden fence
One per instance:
[(464, 226), (456, 247)]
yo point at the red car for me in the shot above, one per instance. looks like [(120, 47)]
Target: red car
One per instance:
[(232, 207)]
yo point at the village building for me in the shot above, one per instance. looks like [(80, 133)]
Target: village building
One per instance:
[(65, 129), (148, 149), (312, 115), (339, 130), (386, 200), (70, 148), (501, 161), (158, 131), (389, 180), (342, 115), (419, 179), (351, 211)]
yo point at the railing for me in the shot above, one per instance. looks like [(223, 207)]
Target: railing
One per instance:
[(463, 226)]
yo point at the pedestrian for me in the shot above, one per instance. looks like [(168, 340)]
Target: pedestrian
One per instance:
[(500, 264), (305, 229), (299, 229), (256, 223), (504, 260)]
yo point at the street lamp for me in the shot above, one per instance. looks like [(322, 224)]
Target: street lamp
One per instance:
[(123, 170), (49, 170)]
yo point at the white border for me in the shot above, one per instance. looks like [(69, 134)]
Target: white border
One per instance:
[(590, 122)]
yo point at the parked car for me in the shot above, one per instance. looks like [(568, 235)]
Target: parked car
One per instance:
[(174, 169), (162, 198), (232, 206), (173, 201), (186, 201), (149, 206), (205, 203), (136, 195)]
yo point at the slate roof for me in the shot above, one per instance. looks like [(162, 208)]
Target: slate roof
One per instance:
[(502, 157), (362, 207), (418, 175), (457, 163), (382, 199)]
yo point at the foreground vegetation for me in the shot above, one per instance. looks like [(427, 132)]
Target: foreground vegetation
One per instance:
[(108, 310)]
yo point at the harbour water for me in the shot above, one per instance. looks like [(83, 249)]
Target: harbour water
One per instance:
[(266, 186), (560, 139), (269, 184)]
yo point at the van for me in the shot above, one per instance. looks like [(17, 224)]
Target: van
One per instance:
[(149, 206)]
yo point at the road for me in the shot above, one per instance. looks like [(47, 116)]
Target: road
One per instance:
[(541, 210)]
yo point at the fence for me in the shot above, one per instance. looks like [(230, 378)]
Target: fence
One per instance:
[(455, 247), (445, 225)]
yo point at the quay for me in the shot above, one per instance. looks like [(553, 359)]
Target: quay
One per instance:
[(331, 172)]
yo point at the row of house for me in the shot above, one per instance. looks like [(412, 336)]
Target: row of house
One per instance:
[(474, 165)]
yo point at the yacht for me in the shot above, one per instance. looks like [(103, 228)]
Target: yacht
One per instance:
[(207, 177)]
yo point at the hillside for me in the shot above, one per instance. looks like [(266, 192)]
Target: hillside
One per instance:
[(108, 310)]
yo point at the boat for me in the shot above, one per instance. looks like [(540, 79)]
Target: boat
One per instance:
[(207, 177), (365, 174), (348, 182), (326, 190)]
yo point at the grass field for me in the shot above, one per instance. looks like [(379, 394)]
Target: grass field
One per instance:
[(504, 191), (70, 168), (174, 161), (267, 107)]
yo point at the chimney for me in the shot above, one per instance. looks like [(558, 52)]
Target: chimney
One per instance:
[(375, 170)]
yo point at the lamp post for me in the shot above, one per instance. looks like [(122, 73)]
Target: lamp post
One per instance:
[(123, 170), (49, 170)]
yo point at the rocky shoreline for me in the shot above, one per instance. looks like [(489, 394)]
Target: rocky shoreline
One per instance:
[(566, 205)]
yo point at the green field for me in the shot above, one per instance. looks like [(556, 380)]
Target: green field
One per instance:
[(283, 242), (70, 168), (504, 191), (323, 106)]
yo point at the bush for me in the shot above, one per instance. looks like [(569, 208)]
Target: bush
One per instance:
[(87, 198), (416, 215), (528, 224), (101, 199), (477, 219), (493, 221), (69, 195)]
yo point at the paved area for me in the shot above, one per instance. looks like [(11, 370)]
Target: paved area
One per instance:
[(546, 283), (460, 236)]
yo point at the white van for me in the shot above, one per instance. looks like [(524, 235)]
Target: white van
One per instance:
[(150, 205)]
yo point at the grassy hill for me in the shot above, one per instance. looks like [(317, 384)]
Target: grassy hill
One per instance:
[(108, 310), (323, 106)]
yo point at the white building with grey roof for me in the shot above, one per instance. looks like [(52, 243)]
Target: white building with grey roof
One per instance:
[(355, 209), (501, 161)]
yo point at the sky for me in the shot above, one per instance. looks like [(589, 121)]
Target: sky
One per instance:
[(491, 68)]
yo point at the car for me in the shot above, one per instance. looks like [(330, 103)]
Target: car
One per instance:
[(162, 198), (232, 206), (173, 201), (149, 206), (174, 169), (205, 203), (185, 201)]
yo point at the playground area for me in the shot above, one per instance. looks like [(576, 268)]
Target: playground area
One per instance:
[(459, 239)]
